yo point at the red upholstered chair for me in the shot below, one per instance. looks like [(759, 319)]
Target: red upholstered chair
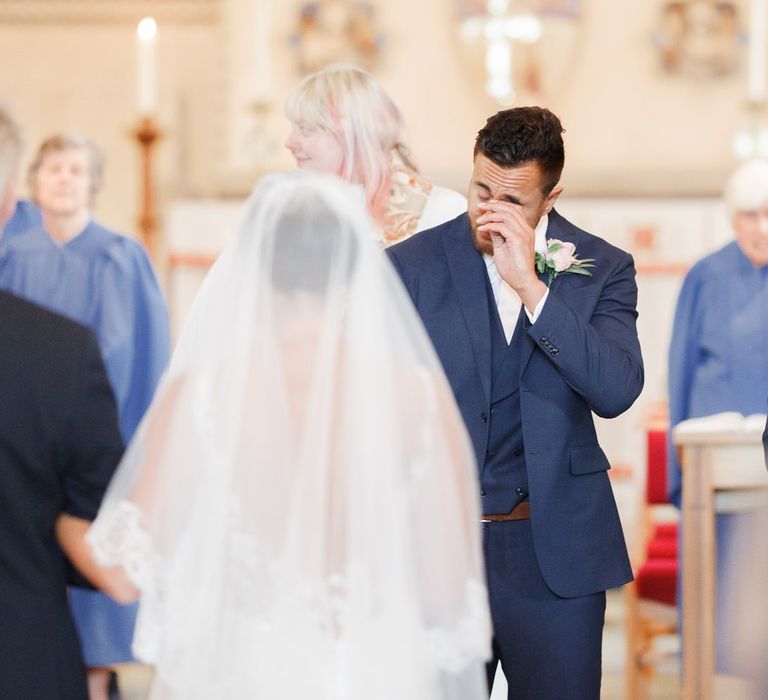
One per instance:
[(652, 598)]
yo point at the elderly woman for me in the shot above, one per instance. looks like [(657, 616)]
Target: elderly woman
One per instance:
[(345, 124), (74, 266), (717, 357)]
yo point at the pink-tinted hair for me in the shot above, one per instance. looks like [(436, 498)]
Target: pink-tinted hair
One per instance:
[(350, 103)]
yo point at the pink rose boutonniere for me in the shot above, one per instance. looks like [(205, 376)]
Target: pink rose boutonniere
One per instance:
[(559, 257)]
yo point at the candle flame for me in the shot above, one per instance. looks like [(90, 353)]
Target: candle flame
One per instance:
[(147, 29)]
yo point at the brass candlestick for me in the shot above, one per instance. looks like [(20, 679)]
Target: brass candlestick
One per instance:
[(147, 134)]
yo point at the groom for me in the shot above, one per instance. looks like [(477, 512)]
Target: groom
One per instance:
[(528, 363)]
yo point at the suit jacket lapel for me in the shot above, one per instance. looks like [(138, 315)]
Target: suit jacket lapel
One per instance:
[(468, 273)]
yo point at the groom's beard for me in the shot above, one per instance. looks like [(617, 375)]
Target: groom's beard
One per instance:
[(481, 240)]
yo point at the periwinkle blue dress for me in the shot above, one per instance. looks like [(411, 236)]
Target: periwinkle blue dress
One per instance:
[(105, 281), (718, 361)]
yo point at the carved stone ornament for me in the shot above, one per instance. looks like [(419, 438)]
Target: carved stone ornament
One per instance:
[(336, 31), (699, 38), (526, 48)]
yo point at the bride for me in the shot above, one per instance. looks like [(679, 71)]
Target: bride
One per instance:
[(299, 508)]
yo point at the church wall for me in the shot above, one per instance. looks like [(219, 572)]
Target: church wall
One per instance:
[(631, 129)]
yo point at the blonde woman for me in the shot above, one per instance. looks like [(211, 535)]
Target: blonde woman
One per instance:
[(344, 123)]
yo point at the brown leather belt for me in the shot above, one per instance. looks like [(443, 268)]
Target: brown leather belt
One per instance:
[(522, 511)]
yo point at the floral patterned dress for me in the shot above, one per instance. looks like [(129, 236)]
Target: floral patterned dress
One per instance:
[(416, 204)]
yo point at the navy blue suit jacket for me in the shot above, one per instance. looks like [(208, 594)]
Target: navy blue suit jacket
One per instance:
[(581, 356), (59, 445)]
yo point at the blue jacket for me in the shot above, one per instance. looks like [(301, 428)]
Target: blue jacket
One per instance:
[(581, 356)]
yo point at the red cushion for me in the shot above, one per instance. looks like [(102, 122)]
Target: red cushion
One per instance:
[(656, 484), (657, 580), (665, 530), (662, 548)]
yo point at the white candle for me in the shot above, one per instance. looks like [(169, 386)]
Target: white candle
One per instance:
[(146, 77), (261, 65), (758, 24)]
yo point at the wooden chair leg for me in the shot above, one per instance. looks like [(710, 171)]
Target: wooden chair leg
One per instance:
[(638, 646)]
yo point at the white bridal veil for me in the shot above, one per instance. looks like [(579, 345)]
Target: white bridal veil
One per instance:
[(299, 506)]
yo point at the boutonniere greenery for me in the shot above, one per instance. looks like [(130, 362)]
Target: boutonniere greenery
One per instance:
[(560, 257)]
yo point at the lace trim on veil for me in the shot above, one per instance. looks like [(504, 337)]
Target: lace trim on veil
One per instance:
[(120, 539), (453, 648)]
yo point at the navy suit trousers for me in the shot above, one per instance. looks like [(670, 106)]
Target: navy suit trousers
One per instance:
[(549, 647)]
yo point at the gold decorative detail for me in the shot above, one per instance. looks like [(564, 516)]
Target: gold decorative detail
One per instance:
[(410, 192), (147, 134)]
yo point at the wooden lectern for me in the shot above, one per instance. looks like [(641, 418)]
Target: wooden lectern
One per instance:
[(723, 472)]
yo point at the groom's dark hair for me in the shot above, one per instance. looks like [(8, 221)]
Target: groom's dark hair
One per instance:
[(524, 135)]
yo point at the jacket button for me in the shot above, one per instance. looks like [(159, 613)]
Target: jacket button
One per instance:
[(519, 491), (484, 417), (483, 493), (518, 451)]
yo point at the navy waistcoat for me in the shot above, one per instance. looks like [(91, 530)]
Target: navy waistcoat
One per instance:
[(503, 475)]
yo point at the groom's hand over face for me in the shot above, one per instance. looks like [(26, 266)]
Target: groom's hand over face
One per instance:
[(513, 240)]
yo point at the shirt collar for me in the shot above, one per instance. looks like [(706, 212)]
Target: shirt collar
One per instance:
[(540, 241)]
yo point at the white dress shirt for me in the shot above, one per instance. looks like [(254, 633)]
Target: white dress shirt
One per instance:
[(508, 301)]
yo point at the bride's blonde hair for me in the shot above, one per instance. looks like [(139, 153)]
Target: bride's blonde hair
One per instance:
[(350, 103)]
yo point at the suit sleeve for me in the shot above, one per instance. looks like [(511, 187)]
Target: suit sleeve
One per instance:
[(93, 446), (598, 357)]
